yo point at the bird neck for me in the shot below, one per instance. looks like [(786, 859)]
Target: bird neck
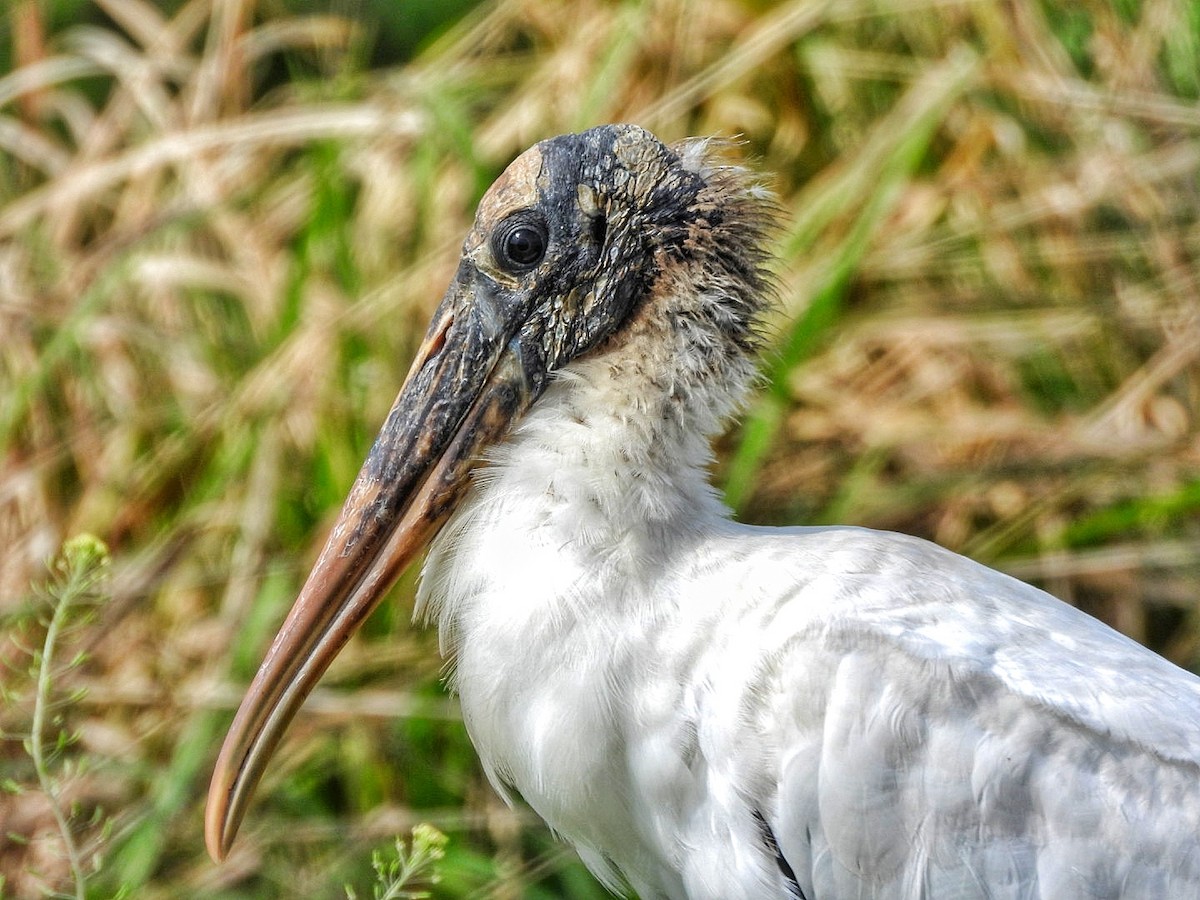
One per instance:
[(604, 481), (619, 447), (607, 474), (615, 453)]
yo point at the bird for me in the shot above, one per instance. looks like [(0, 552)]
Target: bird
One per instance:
[(704, 708)]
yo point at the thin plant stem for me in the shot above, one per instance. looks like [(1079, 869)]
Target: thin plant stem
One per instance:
[(80, 575)]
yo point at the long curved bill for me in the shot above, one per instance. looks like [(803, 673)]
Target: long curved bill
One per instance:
[(466, 385)]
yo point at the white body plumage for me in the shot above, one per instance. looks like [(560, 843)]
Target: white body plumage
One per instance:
[(653, 678), (675, 693)]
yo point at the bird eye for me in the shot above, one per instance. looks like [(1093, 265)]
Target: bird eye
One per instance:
[(519, 243)]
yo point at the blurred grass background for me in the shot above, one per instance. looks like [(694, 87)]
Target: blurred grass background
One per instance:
[(224, 223)]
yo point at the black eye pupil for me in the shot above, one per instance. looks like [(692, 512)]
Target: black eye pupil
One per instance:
[(521, 246), (524, 246)]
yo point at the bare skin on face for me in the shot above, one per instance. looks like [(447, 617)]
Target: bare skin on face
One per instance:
[(515, 189)]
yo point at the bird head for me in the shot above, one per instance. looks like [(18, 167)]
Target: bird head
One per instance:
[(567, 246)]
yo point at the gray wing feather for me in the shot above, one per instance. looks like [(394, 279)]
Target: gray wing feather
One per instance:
[(980, 739)]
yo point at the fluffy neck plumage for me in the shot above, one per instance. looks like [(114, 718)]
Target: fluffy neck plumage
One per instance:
[(609, 467)]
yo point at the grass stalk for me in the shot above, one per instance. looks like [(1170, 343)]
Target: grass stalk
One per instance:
[(81, 567)]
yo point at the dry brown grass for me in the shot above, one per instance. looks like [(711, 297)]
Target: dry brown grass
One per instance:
[(211, 279)]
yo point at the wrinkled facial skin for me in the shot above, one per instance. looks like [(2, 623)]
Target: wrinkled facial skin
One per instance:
[(604, 201), (607, 205), (591, 217)]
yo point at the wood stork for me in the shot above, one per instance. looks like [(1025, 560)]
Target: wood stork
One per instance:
[(707, 709)]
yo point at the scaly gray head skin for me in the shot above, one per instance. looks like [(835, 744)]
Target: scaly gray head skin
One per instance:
[(569, 248)]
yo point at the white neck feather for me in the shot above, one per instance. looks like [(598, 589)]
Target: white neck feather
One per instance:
[(609, 466)]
